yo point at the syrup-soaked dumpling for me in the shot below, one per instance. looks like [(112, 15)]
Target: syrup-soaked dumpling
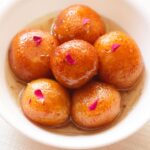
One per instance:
[(78, 22), (46, 102), (74, 63), (29, 54), (94, 105), (120, 60)]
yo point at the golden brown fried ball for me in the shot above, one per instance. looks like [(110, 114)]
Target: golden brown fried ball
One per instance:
[(46, 102), (74, 63), (78, 22), (29, 54), (120, 60), (94, 105)]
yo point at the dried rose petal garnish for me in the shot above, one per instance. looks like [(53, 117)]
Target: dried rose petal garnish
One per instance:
[(37, 40), (115, 47), (29, 101), (38, 93), (69, 59), (85, 21), (93, 105)]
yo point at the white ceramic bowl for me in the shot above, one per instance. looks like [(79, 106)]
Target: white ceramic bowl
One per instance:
[(133, 16)]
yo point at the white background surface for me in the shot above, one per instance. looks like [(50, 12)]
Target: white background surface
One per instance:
[(10, 139)]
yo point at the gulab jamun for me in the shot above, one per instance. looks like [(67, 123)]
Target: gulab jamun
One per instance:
[(74, 63), (46, 102), (78, 22), (94, 105), (29, 54), (120, 60)]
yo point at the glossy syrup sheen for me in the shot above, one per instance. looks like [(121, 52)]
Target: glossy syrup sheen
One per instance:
[(129, 98)]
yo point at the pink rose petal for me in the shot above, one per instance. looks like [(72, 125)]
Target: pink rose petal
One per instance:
[(69, 59), (93, 105), (37, 40), (38, 93), (115, 47), (85, 21)]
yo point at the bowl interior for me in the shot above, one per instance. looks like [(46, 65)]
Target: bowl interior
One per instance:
[(127, 15)]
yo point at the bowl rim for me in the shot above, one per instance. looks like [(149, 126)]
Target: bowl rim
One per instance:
[(71, 144)]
